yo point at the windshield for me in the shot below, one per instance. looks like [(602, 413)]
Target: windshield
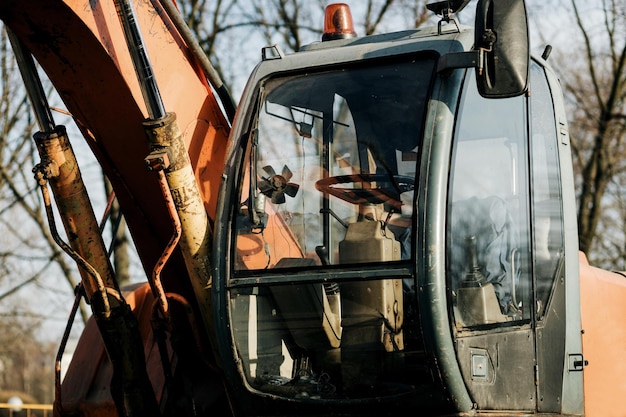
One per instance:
[(331, 149), (328, 181)]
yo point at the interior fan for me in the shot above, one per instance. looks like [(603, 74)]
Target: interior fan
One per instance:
[(276, 185)]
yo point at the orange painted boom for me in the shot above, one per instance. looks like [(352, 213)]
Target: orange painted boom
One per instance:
[(81, 47)]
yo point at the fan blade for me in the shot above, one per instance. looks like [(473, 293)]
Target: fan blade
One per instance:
[(291, 189), (276, 186), (269, 170), (278, 197), (265, 187), (287, 173)]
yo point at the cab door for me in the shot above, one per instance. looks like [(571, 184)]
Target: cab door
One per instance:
[(503, 246)]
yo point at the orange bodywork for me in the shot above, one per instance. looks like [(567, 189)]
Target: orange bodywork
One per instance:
[(81, 47), (603, 310), (251, 248)]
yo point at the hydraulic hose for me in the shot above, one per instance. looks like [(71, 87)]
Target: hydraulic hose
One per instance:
[(198, 52)]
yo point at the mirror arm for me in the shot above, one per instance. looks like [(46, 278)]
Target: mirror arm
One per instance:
[(471, 59)]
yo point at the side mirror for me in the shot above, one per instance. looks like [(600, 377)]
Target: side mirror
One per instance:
[(501, 38)]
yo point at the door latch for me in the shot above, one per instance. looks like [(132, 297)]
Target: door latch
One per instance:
[(577, 362)]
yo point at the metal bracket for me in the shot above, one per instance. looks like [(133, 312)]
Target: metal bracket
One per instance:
[(158, 159), (470, 59), (272, 52)]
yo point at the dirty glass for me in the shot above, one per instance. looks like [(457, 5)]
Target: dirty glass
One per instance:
[(329, 180), (546, 195), (488, 233)]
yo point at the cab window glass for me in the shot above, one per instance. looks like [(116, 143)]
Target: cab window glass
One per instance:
[(546, 196), (330, 150), (488, 237), (322, 295)]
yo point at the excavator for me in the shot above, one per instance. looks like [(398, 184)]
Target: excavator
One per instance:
[(383, 225)]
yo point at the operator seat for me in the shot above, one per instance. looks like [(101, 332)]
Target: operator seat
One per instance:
[(372, 311)]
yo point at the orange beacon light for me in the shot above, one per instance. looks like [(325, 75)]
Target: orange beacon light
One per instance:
[(338, 22)]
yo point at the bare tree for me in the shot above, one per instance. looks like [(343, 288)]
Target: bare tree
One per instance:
[(595, 86), (28, 251), (232, 32), (210, 21), (120, 246), (25, 362)]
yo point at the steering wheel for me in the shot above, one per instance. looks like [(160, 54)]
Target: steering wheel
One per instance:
[(386, 190)]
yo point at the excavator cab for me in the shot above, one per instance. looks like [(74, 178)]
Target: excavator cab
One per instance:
[(391, 225)]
